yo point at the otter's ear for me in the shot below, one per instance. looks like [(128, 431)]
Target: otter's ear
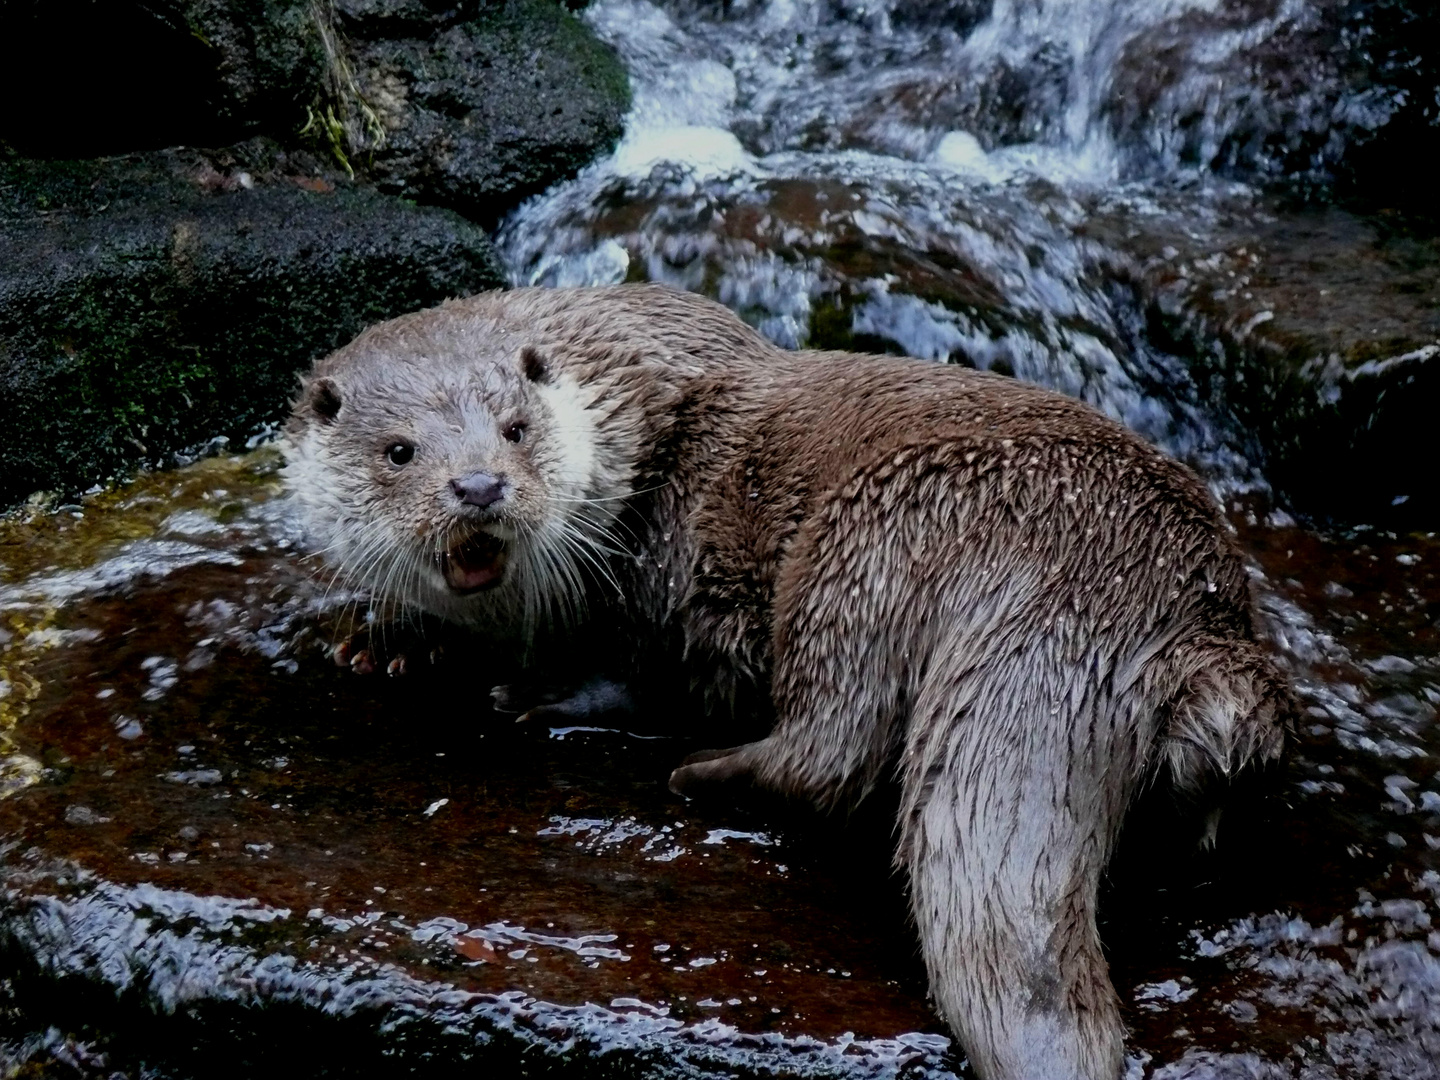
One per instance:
[(322, 398), (535, 367)]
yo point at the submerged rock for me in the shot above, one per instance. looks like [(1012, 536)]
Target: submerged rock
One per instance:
[(152, 303)]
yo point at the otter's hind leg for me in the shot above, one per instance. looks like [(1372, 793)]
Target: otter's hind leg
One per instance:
[(833, 736), (1230, 715), (1008, 818), (1229, 719)]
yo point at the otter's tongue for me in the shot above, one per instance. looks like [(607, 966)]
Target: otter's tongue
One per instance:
[(478, 563)]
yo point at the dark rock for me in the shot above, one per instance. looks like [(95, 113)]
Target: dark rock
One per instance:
[(921, 265), (478, 109), (1333, 98), (375, 20), (1206, 89), (958, 16), (1018, 99), (149, 304), (1319, 332), (1255, 342), (474, 106), (142, 74), (961, 16), (1393, 60), (271, 58)]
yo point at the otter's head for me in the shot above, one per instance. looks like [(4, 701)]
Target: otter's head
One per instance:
[(441, 461)]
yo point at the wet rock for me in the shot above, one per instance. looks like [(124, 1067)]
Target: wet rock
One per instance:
[(270, 57), (1298, 349), (882, 256), (1319, 331), (481, 106), (152, 303), (1317, 96), (1247, 88), (380, 875), (386, 865), (475, 106), (961, 16), (143, 74), (1383, 169), (1328, 97)]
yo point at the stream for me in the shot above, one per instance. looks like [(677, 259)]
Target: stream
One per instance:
[(928, 179), (220, 853)]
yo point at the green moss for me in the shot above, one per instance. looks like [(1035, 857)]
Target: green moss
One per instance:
[(270, 56), (831, 326), (547, 35)]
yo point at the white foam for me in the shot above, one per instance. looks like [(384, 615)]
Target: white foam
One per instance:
[(961, 150), (706, 151)]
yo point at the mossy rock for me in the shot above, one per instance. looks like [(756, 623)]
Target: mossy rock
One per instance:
[(481, 110), (1318, 334), (474, 106), (145, 74), (142, 314)]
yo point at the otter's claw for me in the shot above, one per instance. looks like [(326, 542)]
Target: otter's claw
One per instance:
[(389, 647)]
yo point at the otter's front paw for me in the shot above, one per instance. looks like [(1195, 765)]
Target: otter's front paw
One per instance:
[(709, 770), (598, 697), (367, 651)]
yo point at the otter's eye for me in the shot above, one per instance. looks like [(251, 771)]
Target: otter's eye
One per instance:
[(399, 453), (515, 432)]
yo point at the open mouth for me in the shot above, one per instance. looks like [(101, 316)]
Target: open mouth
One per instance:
[(475, 564)]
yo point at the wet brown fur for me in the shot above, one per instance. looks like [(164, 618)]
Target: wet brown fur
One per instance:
[(990, 591)]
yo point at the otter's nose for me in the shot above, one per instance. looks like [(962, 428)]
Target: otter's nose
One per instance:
[(479, 489)]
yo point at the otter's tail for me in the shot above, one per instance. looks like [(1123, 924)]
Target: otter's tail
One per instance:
[(1013, 796)]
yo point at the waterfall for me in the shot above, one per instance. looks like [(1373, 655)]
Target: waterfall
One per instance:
[(939, 179)]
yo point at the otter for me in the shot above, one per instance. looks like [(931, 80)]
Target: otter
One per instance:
[(983, 590)]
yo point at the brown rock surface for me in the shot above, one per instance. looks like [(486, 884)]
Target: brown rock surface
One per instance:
[(206, 812), (1319, 331), (222, 855)]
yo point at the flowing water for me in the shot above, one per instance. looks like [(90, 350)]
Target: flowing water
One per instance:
[(205, 815), (926, 178)]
